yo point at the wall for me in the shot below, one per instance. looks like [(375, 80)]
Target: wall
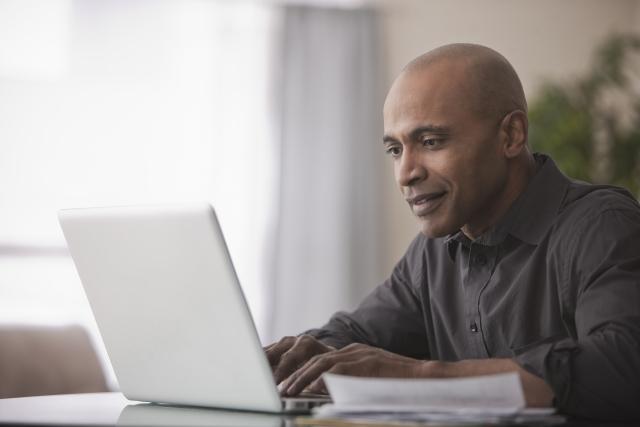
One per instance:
[(542, 39)]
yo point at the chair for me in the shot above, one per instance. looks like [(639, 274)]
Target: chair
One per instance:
[(39, 360)]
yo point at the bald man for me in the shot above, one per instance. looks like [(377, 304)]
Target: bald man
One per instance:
[(517, 268)]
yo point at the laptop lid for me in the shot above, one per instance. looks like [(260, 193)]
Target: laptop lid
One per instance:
[(169, 306)]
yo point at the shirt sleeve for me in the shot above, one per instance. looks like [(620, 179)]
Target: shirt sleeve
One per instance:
[(596, 373), (390, 317)]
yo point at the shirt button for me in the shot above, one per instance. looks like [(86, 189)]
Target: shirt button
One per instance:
[(481, 260), (473, 327)]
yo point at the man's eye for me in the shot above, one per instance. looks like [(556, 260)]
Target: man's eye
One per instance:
[(431, 142), (394, 151)]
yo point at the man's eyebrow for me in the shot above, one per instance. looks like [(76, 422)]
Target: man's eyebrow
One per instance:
[(388, 139), (415, 133)]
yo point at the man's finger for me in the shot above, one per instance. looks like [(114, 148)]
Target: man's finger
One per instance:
[(307, 374), (275, 351), (304, 348), (290, 362), (317, 387), (270, 346)]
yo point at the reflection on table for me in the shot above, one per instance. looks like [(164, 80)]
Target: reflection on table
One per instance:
[(149, 414)]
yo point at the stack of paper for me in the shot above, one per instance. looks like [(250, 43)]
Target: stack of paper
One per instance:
[(483, 399)]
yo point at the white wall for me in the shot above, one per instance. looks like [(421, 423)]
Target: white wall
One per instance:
[(541, 38)]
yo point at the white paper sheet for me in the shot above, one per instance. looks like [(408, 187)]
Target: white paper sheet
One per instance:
[(525, 417), (497, 394), (490, 399)]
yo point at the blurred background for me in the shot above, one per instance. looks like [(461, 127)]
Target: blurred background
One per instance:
[(270, 111)]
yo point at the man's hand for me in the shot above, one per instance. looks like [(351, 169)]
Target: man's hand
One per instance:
[(354, 359), (300, 362), (366, 361), (290, 353)]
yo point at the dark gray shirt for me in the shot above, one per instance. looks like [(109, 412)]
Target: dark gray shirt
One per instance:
[(555, 285)]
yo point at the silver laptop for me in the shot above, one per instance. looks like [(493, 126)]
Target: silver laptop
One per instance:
[(170, 309)]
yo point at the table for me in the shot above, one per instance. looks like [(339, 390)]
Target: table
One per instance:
[(113, 409)]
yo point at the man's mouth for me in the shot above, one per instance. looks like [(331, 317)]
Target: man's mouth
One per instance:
[(424, 204)]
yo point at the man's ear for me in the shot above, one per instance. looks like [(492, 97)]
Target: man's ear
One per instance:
[(515, 126)]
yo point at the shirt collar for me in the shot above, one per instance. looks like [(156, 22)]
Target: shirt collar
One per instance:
[(531, 215), (536, 209), (453, 240)]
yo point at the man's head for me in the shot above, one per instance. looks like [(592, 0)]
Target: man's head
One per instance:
[(455, 124)]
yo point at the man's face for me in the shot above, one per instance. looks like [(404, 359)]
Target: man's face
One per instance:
[(448, 159)]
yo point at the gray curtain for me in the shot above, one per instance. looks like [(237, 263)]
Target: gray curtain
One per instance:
[(325, 251)]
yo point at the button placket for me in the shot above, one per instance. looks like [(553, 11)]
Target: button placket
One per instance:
[(477, 276), (481, 260), (473, 327), (490, 258), (475, 279)]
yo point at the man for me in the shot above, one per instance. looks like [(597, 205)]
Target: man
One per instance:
[(516, 269)]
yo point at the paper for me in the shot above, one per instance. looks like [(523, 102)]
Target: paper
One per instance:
[(407, 419), (498, 393), (487, 399)]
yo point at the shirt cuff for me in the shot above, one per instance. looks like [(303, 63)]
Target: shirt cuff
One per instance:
[(550, 359)]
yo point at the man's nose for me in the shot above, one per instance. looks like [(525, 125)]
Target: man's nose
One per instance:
[(410, 171)]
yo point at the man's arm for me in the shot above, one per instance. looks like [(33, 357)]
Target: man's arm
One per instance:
[(363, 360), (390, 318), (597, 373)]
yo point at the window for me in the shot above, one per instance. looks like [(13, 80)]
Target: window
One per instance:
[(145, 101)]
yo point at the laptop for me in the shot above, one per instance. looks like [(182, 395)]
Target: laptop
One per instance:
[(170, 308)]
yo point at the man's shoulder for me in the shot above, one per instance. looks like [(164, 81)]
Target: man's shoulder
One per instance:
[(417, 247), (586, 204), (584, 200)]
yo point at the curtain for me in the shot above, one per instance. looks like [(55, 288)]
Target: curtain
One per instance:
[(324, 252)]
